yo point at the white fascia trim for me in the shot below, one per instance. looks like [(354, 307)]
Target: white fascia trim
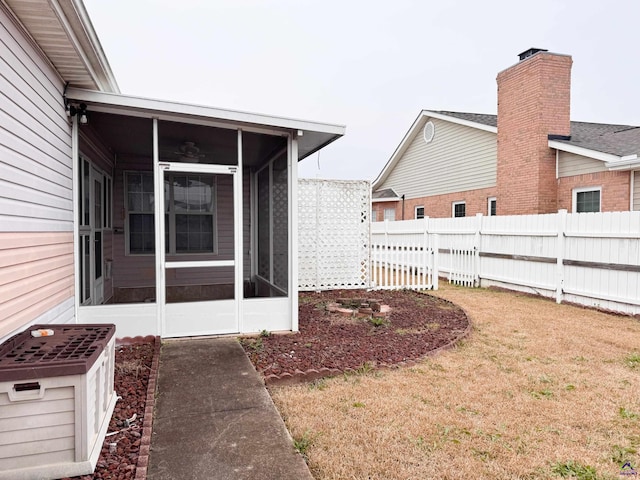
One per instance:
[(418, 124), (172, 107), (585, 152), (104, 79), (460, 121), (106, 74), (390, 199)]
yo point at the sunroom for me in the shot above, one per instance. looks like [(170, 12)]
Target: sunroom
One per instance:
[(186, 216)]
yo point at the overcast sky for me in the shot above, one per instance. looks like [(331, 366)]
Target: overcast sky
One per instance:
[(370, 65)]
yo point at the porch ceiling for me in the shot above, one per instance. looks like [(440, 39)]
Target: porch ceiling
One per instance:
[(133, 136), (314, 135)]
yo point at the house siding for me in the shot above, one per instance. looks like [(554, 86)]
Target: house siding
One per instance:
[(36, 198), (459, 158), (570, 164)]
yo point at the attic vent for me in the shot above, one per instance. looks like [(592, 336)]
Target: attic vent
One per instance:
[(429, 131)]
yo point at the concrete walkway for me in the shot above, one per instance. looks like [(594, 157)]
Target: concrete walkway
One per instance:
[(214, 419)]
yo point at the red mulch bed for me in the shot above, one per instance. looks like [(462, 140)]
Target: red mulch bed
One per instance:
[(119, 457), (417, 325)]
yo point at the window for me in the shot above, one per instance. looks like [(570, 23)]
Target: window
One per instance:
[(189, 213), (419, 212), (390, 214), (458, 209), (586, 199), (374, 214), (491, 207), (428, 132), (140, 222)]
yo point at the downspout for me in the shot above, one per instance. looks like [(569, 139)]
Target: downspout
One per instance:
[(402, 206)]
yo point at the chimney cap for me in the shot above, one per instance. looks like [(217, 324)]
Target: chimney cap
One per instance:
[(530, 52)]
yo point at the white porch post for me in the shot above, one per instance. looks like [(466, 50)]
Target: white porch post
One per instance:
[(238, 238), (75, 177), (158, 206), (292, 160)]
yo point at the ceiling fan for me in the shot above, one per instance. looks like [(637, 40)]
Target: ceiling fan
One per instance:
[(188, 151)]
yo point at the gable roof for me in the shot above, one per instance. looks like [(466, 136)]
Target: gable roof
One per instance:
[(617, 145), (386, 195)]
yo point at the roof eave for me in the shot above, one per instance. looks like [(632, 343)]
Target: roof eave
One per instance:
[(314, 135), (86, 35), (77, 40)]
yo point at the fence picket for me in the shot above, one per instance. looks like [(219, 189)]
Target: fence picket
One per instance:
[(587, 258)]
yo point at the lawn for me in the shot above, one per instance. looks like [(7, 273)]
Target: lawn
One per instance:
[(537, 391)]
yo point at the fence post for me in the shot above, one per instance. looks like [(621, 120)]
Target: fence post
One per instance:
[(318, 203), (435, 272), (562, 227), (477, 244)]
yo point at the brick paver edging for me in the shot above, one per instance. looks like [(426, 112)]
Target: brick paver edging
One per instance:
[(313, 374), (147, 422)]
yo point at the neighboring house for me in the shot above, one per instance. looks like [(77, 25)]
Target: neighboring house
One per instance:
[(528, 159), (163, 218)]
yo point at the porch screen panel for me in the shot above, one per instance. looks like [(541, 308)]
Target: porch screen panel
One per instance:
[(264, 240), (280, 223)]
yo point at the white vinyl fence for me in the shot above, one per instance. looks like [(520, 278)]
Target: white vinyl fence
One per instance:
[(333, 234), (404, 264), (591, 259)]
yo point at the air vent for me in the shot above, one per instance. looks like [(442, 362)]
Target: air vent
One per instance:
[(429, 131)]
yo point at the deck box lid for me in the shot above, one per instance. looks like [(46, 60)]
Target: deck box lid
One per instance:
[(71, 350)]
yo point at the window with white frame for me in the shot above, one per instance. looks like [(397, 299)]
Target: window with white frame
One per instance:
[(374, 216), (458, 209), (492, 204), (586, 199), (190, 213), (390, 214), (419, 212)]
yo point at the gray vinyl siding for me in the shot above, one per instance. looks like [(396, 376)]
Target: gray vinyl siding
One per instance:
[(570, 164), (35, 138), (459, 158), (636, 190)]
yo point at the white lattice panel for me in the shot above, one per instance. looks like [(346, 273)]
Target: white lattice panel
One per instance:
[(333, 234)]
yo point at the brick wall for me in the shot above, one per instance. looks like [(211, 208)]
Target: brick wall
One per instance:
[(615, 194), (533, 102), (379, 207), (439, 206)]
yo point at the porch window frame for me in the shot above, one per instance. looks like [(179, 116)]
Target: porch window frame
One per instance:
[(170, 213)]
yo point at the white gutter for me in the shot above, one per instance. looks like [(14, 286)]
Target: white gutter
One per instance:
[(628, 162), (390, 199)]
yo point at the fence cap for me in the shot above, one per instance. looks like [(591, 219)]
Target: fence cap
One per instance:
[(71, 350)]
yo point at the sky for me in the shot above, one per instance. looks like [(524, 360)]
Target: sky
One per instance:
[(370, 65)]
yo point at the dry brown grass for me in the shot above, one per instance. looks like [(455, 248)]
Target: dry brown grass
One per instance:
[(535, 385)]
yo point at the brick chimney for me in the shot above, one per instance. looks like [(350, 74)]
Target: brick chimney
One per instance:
[(533, 103)]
